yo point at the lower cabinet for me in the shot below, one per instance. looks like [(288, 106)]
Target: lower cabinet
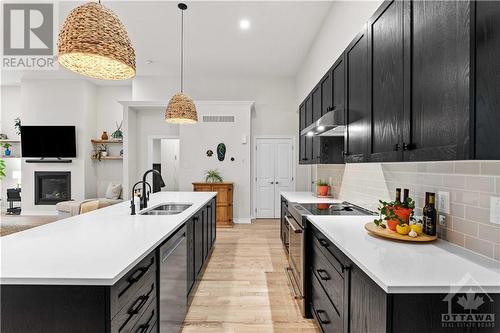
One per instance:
[(343, 298), (148, 297)]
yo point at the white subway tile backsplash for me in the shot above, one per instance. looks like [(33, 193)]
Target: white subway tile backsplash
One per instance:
[(470, 184), (479, 246), (454, 181), (465, 227), (480, 183), (490, 168), (467, 167)]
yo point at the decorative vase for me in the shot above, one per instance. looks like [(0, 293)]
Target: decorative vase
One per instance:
[(323, 190), (7, 152), (104, 136)]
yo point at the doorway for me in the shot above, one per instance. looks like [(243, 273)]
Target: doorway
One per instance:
[(164, 157), (274, 172)]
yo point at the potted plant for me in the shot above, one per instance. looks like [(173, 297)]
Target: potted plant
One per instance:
[(118, 134), (397, 215), (323, 188), (7, 150), (100, 152), (213, 176), (17, 125)]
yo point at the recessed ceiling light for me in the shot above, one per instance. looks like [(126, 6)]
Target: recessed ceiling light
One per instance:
[(244, 24)]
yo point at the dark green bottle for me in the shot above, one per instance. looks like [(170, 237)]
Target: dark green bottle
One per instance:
[(430, 215)]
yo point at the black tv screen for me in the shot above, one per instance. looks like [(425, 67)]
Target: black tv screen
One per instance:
[(48, 141)]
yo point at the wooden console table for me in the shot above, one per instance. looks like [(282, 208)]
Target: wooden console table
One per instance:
[(224, 205)]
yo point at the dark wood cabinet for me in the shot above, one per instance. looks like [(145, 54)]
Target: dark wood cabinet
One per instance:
[(438, 34), (191, 275), (419, 83), (302, 138), (198, 242), (485, 78), (386, 67), (326, 90), (338, 84), (357, 99)]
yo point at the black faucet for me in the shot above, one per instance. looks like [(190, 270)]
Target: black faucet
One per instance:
[(144, 197), (132, 203)]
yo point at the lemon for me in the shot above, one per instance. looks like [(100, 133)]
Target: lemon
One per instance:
[(403, 229), (417, 227)]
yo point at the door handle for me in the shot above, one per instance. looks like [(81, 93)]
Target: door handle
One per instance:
[(295, 229), (271, 182), (277, 182)]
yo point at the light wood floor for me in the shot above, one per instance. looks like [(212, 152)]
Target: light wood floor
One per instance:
[(244, 288)]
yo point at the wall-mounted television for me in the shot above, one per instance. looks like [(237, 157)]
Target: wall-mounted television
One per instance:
[(48, 141)]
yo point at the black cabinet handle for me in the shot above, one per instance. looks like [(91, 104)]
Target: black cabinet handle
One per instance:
[(345, 268), (323, 319), (144, 327), (323, 242), (408, 146), (139, 302), (323, 275), (397, 147), (136, 276)]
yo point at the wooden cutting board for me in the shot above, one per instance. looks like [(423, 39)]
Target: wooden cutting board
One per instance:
[(387, 233)]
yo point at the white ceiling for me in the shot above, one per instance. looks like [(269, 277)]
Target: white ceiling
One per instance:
[(279, 38)]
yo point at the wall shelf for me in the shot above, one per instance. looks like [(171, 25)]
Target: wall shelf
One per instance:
[(116, 158), (99, 141), (10, 141)]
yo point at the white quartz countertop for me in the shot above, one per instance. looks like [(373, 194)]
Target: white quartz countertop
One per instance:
[(399, 267), (96, 248), (307, 197)]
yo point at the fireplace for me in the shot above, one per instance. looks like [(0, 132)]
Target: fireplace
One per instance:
[(52, 187)]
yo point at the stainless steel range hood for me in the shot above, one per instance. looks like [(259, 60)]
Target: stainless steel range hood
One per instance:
[(331, 124)]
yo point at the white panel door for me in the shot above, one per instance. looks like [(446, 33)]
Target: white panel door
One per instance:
[(283, 172), (265, 179), (274, 173)]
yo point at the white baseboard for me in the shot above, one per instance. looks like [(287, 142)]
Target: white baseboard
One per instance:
[(242, 220)]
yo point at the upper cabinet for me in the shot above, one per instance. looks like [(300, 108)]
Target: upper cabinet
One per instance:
[(357, 99), (485, 78), (438, 59), (420, 82), (386, 66)]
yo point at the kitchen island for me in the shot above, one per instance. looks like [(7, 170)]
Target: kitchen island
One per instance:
[(364, 283), (100, 271)]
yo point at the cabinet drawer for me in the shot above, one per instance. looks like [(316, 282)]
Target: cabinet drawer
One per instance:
[(329, 278), (148, 319), (336, 258), (327, 317), (135, 307), (127, 287)]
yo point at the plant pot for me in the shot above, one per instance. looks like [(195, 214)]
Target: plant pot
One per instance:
[(323, 190), (7, 152), (403, 213), (391, 224), (104, 136)]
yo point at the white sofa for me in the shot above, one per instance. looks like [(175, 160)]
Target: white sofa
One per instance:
[(71, 208)]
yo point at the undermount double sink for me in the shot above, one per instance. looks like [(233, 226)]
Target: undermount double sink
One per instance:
[(167, 209)]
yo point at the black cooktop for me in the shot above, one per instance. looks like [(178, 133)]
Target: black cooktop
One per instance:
[(343, 208)]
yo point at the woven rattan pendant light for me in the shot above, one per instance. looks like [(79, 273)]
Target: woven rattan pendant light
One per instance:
[(93, 42), (181, 108)]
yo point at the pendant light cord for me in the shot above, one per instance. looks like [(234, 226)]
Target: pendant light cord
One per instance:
[(182, 50)]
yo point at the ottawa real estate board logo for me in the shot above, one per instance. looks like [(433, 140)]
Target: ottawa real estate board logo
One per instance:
[(469, 306), (28, 36)]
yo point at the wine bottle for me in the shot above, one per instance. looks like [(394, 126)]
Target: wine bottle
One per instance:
[(406, 194), (398, 195), (430, 215)]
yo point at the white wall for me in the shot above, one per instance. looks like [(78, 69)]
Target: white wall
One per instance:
[(343, 23), (275, 110), (196, 139), (60, 102)]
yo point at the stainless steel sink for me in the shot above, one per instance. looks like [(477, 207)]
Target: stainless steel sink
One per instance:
[(167, 209)]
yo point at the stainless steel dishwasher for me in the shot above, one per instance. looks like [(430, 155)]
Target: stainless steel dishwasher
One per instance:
[(173, 282)]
